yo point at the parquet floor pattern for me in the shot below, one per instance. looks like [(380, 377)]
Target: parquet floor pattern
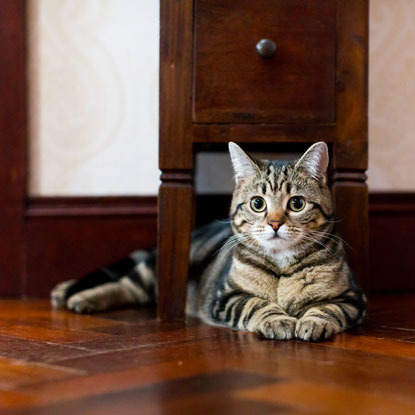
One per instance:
[(126, 362)]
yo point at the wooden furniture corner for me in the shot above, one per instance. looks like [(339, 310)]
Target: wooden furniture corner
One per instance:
[(217, 85)]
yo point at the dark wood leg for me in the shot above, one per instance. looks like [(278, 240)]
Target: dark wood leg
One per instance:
[(174, 228), (350, 194)]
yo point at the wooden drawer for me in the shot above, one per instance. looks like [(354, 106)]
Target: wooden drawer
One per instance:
[(234, 84)]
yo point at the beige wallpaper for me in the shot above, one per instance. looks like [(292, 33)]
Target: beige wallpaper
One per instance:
[(94, 98), (392, 95)]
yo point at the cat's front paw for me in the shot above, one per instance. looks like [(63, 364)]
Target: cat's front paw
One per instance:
[(277, 327), (314, 329)]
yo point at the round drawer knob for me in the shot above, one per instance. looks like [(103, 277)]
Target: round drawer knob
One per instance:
[(266, 48)]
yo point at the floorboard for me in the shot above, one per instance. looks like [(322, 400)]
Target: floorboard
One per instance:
[(127, 362)]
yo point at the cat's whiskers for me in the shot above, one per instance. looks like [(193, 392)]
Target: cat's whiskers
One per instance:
[(319, 242), (334, 221), (234, 241), (224, 221), (310, 238), (237, 239), (330, 236)]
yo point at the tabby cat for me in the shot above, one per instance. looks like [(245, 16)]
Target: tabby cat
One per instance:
[(276, 268)]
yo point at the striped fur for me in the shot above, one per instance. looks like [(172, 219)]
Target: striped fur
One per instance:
[(280, 273), (129, 281)]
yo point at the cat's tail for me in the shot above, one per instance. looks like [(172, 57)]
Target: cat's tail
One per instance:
[(130, 281)]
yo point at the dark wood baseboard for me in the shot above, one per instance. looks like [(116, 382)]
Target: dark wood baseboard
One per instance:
[(97, 230), (92, 231), (392, 241)]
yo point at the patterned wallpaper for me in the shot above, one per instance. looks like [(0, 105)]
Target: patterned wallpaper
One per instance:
[(392, 95), (94, 98)]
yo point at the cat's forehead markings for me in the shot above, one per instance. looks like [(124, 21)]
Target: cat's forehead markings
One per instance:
[(262, 187), (271, 174), (271, 182)]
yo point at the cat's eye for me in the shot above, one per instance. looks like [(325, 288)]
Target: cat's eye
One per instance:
[(258, 204), (296, 204)]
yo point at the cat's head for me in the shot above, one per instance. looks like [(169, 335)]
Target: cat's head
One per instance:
[(281, 205)]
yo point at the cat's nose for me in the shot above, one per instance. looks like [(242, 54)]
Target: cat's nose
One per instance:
[(275, 225)]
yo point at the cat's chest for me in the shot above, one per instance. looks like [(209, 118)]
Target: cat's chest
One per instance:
[(256, 280), (291, 284), (292, 290), (308, 285)]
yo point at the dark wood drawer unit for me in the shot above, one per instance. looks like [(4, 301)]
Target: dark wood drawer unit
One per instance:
[(234, 83), (216, 86)]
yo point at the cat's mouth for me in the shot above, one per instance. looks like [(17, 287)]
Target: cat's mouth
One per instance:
[(272, 236), (270, 239), (275, 239)]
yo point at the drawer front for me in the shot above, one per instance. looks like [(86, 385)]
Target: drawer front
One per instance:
[(233, 83)]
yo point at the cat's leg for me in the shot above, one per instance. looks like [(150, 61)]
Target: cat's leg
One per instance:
[(322, 321), (243, 311), (126, 282), (110, 295)]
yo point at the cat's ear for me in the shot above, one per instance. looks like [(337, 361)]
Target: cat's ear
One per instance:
[(244, 166), (315, 161)]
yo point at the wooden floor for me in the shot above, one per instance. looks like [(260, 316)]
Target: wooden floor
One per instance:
[(125, 362)]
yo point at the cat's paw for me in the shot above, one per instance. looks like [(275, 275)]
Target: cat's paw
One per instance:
[(314, 329), (81, 304), (277, 327), (58, 294)]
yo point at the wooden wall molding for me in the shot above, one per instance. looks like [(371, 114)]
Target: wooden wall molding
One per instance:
[(391, 202), (91, 206), (392, 241), (66, 237)]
